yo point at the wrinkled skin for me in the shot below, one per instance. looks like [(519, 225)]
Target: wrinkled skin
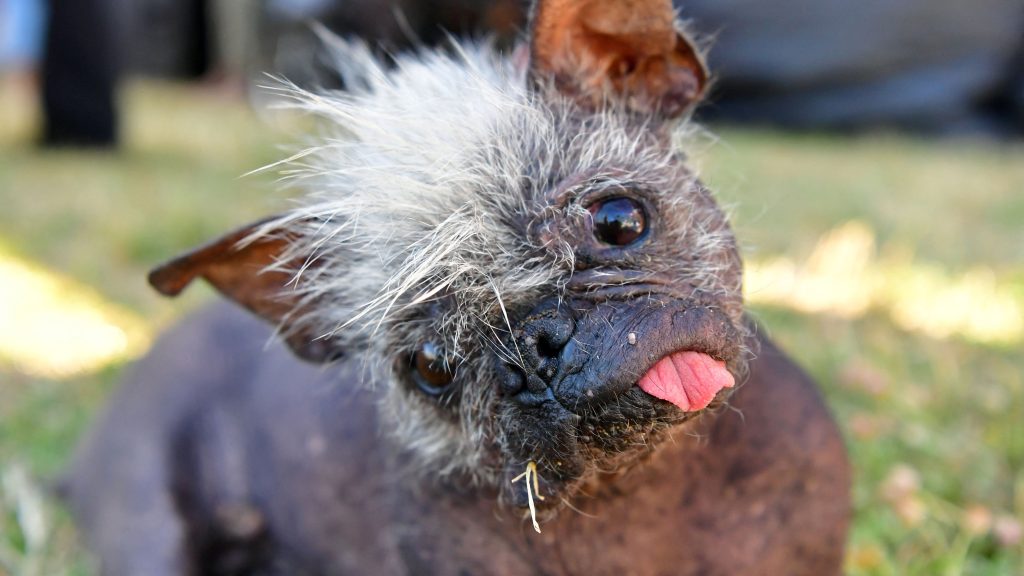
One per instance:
[(229, 458)]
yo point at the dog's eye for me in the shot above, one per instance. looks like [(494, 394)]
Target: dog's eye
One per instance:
[(430, 371), (618, 221)]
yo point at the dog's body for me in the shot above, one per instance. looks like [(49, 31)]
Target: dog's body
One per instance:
[(280, 468), (529, 306)]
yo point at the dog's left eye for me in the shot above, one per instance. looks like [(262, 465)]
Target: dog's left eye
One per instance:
[(433, 376), (618, 221)]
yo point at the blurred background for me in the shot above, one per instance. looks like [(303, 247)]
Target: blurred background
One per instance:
[(870, 152)]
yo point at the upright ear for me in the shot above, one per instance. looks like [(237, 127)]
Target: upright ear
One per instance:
[(630, 51), (253, 267)]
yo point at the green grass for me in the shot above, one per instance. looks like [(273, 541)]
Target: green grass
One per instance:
[(934, 422)]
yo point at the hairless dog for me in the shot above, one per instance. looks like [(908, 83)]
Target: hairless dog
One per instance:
[(502, 333)]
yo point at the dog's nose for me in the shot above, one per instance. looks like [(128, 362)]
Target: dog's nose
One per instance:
[(538, 346), (542, 342)]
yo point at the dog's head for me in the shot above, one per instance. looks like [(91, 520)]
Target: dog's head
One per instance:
[(514, 247)]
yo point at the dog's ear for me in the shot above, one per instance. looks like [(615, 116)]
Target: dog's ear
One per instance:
[(251, 266), (629, 51)]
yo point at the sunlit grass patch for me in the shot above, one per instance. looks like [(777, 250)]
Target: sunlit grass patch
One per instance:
[(846, 276), (55, 327)]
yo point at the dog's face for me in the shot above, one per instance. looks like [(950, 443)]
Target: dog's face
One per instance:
[(516, 252)]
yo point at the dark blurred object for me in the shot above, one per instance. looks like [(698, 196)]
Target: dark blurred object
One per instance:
[(945, 66), (1014, 101), (79, 75), (927, 65), (934, 65), (169, 38), (391, 25), (244, 38)]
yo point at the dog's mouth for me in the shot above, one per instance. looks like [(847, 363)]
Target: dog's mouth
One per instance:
[(620, 389), (575, 446)]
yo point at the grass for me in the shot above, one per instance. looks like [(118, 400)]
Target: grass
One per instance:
[(871, 257)]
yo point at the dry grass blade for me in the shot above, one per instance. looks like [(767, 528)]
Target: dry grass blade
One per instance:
[(532, 486)]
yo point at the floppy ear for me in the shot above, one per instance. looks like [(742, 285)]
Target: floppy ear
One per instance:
[(253, 270), (630, 51)]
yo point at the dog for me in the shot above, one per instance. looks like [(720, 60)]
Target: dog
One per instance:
[(501, 333)]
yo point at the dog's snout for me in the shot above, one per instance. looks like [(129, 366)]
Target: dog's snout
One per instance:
[(543, 340), (538, 346)]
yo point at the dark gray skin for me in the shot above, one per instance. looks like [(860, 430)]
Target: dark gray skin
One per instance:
[(222, 456)]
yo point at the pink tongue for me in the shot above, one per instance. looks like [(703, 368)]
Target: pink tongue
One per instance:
[(689, 380)]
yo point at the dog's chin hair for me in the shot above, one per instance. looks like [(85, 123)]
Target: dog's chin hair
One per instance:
[(601, 465)]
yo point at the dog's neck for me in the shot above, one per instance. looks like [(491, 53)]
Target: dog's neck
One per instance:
[(602, 494), (588, 530)]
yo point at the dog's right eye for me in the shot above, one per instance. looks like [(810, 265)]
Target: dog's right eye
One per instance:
[(618, 221), (432, 374)]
